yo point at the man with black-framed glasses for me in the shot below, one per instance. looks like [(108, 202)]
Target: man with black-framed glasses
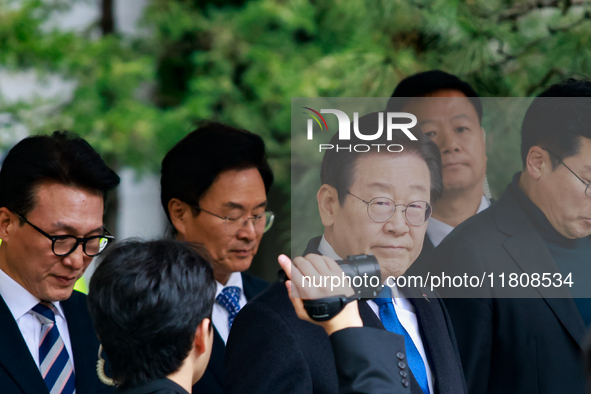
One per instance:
[(375, 202), (531, 339), (52, 191), (214, 192)]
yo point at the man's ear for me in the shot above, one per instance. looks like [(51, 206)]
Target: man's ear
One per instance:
[(537, 162), (483, 135), (178, 211), (203, 336), (7, 222), (328, 204)]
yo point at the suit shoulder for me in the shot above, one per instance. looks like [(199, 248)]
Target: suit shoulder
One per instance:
[(272, 301), (76, 301), (253, 285)]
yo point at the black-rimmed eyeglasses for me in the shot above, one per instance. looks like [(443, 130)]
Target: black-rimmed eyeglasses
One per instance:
[(262, 222), (587, 184), (63, 245), (381, 209)]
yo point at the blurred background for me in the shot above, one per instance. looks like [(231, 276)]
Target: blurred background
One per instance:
[(135, 76)]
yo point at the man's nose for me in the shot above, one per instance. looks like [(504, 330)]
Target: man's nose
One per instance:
[(448, 141), (76, 258), (397, 223), (248, 229)]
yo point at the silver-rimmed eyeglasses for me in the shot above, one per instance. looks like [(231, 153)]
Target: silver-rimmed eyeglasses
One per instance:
[(381, 209), (234, 223)]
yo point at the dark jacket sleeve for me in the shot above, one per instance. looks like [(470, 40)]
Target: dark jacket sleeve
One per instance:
[(365, 363), (263, 356)]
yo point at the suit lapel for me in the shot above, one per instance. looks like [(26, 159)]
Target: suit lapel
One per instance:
[(537, 259), (436, 340), (216, 362), (15, 356)]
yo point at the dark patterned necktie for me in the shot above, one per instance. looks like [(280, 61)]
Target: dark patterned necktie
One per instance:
[(229, 298)]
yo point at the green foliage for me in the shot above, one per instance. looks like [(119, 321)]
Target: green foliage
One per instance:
[(135, 97)]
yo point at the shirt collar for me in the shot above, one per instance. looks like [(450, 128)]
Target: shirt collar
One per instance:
[(437, 230), (234, 280), (18, 299)]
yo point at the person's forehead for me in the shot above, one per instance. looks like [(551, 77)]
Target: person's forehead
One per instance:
[(237, 187), (383, 171), (67, 207), (583, 156)]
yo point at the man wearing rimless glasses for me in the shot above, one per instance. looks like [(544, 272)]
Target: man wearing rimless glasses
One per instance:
[(214, 192), (369, 203), (52, 191)]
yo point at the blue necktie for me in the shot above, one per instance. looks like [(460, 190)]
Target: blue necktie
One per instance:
[(54, 363), (392, 324), (229, 298)]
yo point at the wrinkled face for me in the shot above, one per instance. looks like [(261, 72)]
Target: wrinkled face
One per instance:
[(395, 243), (59, 210), (449, 119), (562, 195), (233, 193)]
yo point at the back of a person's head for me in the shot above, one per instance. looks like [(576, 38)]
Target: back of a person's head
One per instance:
[(338, 166), (425, 83), (557, 118), (62, 157), (193, 164), (146, 300)]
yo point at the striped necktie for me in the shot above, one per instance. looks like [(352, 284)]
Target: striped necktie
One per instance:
[(54, 363), (229, 298), (392, 323)]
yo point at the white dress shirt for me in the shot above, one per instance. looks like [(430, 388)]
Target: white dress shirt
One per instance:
[(437, 230), (20, 302), (220, 314), (404, 310)]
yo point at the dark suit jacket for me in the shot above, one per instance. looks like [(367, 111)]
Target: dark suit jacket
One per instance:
[(212, 381), (160, 386), (419, 267), (363, 357), (270, 350), (511, 345), (18, 372)]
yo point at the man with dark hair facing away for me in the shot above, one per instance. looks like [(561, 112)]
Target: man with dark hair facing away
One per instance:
[(52, 193), (449, 112), (214, 192), (151, 305), (541, 226)]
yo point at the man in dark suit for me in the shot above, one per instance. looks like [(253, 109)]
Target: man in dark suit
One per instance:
[(540, 226), (373, 203), (362, 354), (52, 191), (449, 112), (214, 192)]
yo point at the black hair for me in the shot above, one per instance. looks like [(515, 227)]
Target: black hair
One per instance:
[(146, 299), (63, 157), (557, 118), (194, 163), (421, 84), (338, 166)]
